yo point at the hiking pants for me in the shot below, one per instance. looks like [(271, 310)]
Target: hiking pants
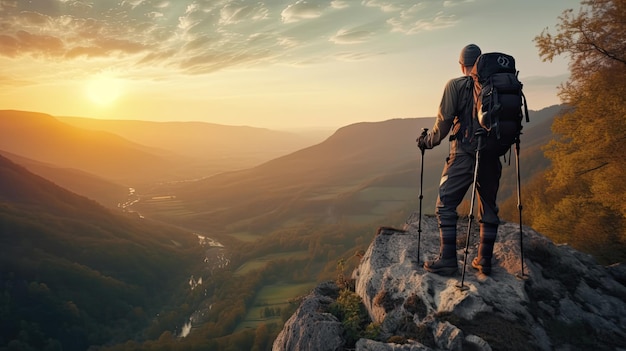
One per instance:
[(457, 178)]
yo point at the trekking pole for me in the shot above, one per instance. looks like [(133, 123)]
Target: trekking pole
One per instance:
[(519, 207), (480, 133), (419, 223)]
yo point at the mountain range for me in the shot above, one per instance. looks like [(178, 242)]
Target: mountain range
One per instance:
[(360, 173), (66, 247)]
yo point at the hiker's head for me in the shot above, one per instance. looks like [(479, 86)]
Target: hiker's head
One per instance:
[(468, 57)]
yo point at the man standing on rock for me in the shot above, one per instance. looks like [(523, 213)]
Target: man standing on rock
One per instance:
[(456, 113)]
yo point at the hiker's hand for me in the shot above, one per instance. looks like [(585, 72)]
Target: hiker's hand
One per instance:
[(422, 142)]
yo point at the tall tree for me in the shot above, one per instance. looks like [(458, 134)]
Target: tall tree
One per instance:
[(585, 183)]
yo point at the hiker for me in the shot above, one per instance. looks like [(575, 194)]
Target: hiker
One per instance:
[(455, 111)]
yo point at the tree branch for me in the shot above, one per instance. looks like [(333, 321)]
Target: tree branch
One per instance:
[(592, 169)]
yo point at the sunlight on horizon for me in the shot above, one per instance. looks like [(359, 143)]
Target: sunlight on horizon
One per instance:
[(104, 89), (263, 64)]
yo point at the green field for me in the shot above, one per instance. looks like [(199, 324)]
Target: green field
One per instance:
[(260, 262), (246, 236), (387, 193), (386, 200), (329, 193), (273, 296), (164, 205)]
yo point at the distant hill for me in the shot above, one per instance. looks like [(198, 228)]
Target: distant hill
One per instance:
[(225, 147), (86, 184), (43, 138), (74, 274), (535, 135), (79, 152), (360, 172), (538, 131), (312, 182)]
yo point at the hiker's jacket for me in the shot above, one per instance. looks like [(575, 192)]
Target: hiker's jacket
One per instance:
[(455, 107), (455, 118)]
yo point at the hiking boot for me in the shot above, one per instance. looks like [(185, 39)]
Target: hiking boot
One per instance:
[(483, 265), (442, 266)]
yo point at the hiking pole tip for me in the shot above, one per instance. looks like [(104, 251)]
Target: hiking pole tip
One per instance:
[(522, 276), (462, 287)]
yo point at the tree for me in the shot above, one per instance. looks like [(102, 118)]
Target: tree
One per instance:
[(585, 181)]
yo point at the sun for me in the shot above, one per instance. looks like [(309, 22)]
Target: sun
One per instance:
[(104, 89)]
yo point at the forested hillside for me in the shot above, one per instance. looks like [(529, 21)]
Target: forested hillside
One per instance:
[(73, 274)]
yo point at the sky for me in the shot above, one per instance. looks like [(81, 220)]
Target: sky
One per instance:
[(274, 64)]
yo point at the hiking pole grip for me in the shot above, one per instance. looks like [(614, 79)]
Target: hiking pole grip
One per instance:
[(421, 137)]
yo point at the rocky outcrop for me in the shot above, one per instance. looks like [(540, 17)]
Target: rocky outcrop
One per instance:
[(312, 327), (563, 301)]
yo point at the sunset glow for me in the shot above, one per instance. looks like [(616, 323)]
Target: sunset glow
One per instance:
[(104, 90), (286, 64)]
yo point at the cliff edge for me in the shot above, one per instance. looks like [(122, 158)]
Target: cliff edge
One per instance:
[(563, 300)]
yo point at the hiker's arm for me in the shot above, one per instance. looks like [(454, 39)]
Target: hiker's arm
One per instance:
[(445, 116)]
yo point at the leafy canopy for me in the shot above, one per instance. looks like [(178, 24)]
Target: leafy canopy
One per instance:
[(585, 184)]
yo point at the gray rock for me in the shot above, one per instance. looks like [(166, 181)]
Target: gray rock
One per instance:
[(371, 345), (311, 327), (448, 337), (477, 343), (564, 300)]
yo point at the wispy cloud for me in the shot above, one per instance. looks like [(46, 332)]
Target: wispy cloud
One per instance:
[(345, 36), (236, 13), (385, 6), (201, 36), (301, 10), (422, 17), (356, 56), (408, 25)]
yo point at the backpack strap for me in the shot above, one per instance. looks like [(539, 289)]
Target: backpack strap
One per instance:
[(466, 113), (525, 107)]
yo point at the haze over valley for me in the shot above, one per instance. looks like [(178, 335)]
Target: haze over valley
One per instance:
[(278, 211)]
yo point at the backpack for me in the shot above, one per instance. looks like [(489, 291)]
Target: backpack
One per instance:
[(498, 101)]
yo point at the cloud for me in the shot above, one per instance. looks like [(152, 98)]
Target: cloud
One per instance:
[(385, 6), (355, 56), (194, 36), (351, 36), (288, 42), (419, 18), (106, 47), (154, 15), (132, 3), (29, 33), (301, 10), (7, 4), (438, 22), (37, 45), (339, 4), (211, 62), (236, 13), (452, 3)]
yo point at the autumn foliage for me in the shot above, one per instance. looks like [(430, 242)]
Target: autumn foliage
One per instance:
[(580, 200)]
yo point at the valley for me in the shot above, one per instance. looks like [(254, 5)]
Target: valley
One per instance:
[(273, 228)]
